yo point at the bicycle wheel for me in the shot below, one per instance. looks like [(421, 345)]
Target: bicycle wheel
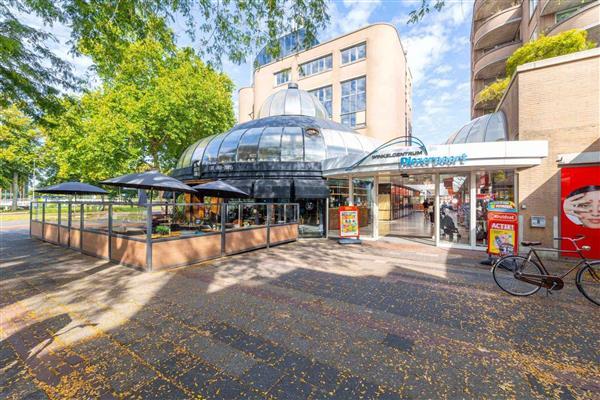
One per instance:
[(504, 275), (588, 282)]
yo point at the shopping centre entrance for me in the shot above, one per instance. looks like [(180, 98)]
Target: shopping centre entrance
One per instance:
[(406, 206)]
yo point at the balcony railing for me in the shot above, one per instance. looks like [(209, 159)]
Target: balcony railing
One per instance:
[(499, 28), (483, 9), (492, 63)]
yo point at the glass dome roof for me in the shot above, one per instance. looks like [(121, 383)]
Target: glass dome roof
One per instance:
[(292, 101), (283, 138), (488, 128)]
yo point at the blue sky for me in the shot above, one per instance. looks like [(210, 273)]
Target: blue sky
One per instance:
[(438, 56)]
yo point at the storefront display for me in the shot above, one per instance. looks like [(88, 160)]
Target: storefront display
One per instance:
[(503, 228), (349, 222), (580, 206)]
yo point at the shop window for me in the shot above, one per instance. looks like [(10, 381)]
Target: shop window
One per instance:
[(362, 189), (491, 186), (354, 53), (282, 77), (316, 66), (325, 97), (354, 102), (339, 195), (455, 204)]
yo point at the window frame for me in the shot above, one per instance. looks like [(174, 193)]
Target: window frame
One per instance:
[(342, 114), (329, 111), (301, 73), (279, 73), (354, 46)]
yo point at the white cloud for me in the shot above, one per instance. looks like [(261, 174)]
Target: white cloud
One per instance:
[(348, 16), (432, 38), (443, 69), (440, 82)]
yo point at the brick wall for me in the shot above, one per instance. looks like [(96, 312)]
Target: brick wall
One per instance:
[(558, 101)]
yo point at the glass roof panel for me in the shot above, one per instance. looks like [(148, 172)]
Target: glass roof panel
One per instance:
[(336, 146), (228, 150), (477, 132), (269, 148), (353, 145), (277, 104), (292, 144), (292, 105), (496, 128), (248, 147), (198, 151), (314, 147), (461, 136), (212, 150), (307, 103)]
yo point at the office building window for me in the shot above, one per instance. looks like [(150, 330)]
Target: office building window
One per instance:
[(354, 102), (355, 53), (532, 6), (282, 77), (324, 96), (316, 66)]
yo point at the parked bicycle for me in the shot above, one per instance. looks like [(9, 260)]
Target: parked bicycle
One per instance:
[(524, 276)]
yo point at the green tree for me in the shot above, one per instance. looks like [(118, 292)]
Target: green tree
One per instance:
[(31, 76), (19, 146), (540, 49), (158, 102)]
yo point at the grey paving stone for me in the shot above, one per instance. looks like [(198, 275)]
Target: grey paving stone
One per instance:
[(262, 377)]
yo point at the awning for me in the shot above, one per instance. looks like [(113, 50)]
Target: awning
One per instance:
[(245, 185), (310, 189), (272, 189)]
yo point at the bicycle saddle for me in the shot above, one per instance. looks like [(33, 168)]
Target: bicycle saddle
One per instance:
[(527, 243)]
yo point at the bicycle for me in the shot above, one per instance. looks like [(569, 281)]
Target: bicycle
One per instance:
[(524, 276)]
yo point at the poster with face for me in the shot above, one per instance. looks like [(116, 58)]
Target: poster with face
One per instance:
[(580, 202)]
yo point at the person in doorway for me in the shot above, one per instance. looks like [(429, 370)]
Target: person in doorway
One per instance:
[(426, 209), (432, 213)]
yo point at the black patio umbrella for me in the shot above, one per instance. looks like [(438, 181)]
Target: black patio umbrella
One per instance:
[(220, 189), (73, 188), (151, 180)]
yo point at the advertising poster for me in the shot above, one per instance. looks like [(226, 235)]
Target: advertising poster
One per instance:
[(503, 225), (348, 222), (580, 207)]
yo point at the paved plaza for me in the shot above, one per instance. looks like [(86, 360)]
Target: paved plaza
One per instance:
[(308, 320)]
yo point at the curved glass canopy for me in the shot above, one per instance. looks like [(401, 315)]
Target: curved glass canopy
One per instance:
[(292, 101), (279, 139), (488, 128)]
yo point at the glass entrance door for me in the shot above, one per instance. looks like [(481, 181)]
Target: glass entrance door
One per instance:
[(406, 206)]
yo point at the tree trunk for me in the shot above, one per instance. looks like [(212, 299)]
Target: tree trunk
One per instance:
[(15, 190)]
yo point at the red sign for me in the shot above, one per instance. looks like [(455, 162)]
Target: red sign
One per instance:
[(580, 207), (348, 222), (503, 228)]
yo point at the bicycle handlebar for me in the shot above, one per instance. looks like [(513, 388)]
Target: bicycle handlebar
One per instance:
[(573, 241)]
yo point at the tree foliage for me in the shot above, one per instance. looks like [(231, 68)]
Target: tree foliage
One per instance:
[(425, 8), (158, 102), (31, 76), (19, 144), (540, 49)]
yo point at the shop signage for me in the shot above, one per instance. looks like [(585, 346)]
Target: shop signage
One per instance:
[(503, 226), (432, 161), (348, 222)]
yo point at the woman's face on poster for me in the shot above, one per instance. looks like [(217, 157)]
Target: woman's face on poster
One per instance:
[(585, 207)]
